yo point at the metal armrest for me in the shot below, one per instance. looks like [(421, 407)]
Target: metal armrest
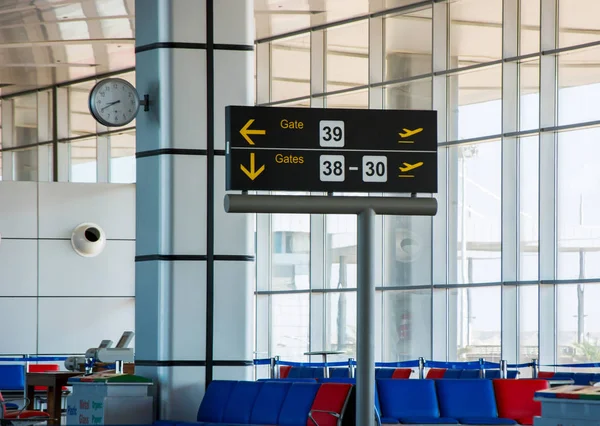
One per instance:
[(332, 413), (19, 411)]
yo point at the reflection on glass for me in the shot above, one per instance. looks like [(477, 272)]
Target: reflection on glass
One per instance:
[(25, 164), (341, 251), (528, 325), (405, 54), (358, 99), (415, 94), (578, 323), (340, 326), (290, 326), (578, 204), (347, 56), (529, 95), (406, 250), (474, 318), (25, 120), (82, 156), (122, 158), (407, 325), (0, 163), (529, 26), (290, 68), (475, 108), (81, 121), (475, 32), (578, 23), (578, 86), (475, 213), (529, 209), (290, 247)]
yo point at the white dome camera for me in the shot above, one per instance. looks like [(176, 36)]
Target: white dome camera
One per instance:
[(88, 240)]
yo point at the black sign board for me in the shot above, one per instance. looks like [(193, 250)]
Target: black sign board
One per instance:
[(331, 150)]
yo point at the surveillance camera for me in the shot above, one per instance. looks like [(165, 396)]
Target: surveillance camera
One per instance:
[(88, 240)]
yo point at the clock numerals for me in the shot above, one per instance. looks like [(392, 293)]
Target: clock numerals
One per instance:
[(114, 102)]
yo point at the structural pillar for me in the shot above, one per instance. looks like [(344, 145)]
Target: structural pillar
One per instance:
[(194, 263)]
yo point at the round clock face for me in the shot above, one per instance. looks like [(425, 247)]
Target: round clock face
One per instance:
[(114, 102)]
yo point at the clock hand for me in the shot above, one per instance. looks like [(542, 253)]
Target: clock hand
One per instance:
[(109, 105)]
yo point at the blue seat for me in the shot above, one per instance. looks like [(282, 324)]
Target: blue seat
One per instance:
[(495, 374), (410, 401), (339, 372), (268, 403), (288, 379), (305, 373), (596, 377), (215, 400), (469, 374), (563, 375), (297, 404), (452, 373), (471, 402), (12, 377), (384, 373), (583, 379), (241, 401)]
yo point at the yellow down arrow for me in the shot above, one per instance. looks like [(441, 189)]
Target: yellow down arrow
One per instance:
[(252, 174), (246, 131)]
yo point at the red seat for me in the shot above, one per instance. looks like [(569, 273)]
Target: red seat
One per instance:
[(401, 373), (329, 404), (17, 414), (436, 373), (545, 374), (284, 370), (42, 368), (514, 399)]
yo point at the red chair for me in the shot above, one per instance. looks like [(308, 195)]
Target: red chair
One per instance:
[(401, 373), (436, 373), (514, 399), (20, 415), (284, 370), (329, 404), (545, 374)]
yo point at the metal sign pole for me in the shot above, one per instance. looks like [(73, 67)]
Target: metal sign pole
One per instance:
[(365, 339)]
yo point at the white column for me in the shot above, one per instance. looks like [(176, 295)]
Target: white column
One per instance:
[(194, 263)]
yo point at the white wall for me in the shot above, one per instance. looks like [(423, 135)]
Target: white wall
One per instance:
[(53, 301)]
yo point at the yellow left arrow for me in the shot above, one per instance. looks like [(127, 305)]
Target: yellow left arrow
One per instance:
[(252, 173), (245, 131)]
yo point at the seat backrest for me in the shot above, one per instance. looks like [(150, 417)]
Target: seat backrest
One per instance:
[(436, 373), (353, 382), (545, 374), (452, 373), (42, 368), (339, 372), (407, 398), (583, 378), (241, 401), (514, 398), (401, 373), (331, 397), (12, 377), (469, 374), (384, 373), (297, 403), (563, 375), (466, 398), (305, 373), (284, 370), (215, 400), (268, 403)]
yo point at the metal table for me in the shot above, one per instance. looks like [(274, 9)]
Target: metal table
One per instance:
[(324, 355)]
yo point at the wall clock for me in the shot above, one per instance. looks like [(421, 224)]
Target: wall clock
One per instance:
[(114, 102)]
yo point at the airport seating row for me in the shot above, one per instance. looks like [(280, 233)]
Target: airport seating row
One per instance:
[(453, 373), (289, 402), (583, 379)]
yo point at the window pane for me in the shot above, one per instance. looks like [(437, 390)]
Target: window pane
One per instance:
[(405, 54), (289, 327), (578, 86), (341, 324), (347, 56), (407, 250), (341, 251), (290, 68), (290, 245), (578, 22), (83, 162), (122, 158), (411, 95), (530, 26), (358, 99), (407, 325), (529, 95), (528, 215), (528, 326), (475, 32), (25, 120), (475, 212), (578, 204), (25, 165), (476, 313), (578, 320), (0, 164), (81, 121), (475, 108)]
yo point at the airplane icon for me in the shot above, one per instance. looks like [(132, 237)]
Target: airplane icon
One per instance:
[(408, 167), (406, 133)]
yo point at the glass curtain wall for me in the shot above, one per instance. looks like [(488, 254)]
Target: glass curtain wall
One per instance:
[(506, 268), (82, 149)]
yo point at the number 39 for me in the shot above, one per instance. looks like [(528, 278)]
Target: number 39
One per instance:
[(337, 133)]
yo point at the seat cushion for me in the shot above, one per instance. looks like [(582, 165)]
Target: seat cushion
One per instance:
[(215, 400), (425, 420), (466, 398), (452, 373), (389, 421), (241, 401), (469, 374), (485, 421), (268, 403), (331, 397), (407, 398), (297, 403)]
